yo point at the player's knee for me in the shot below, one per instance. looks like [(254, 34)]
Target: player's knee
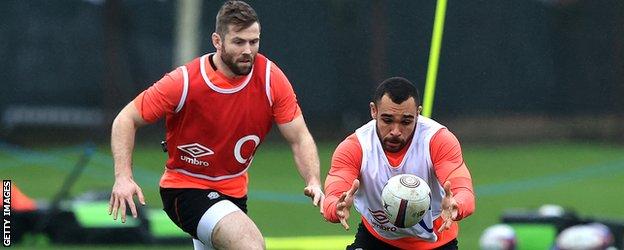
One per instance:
[(237, 231), (255, 238), (248, 233), (251, 239)]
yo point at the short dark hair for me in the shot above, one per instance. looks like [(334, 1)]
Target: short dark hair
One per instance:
[(398, 89), (237, 13)]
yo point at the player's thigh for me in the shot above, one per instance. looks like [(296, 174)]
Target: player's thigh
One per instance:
[(237, 231)]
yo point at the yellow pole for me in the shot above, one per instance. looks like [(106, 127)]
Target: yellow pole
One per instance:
[(434, 57)]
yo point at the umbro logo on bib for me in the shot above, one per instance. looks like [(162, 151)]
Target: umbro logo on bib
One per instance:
[(379, 216), (196, 150)]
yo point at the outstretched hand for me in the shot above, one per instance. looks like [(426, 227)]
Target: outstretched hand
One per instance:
[(123, 191), (316, 194), (449, 208), (344, 204)]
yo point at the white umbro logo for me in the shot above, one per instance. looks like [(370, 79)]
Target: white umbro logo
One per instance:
[(213, 195), (196, 150)]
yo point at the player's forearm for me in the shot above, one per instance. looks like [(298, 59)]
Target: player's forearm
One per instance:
[(329, 209), (337, 182), (122, 143), (462, 189), (465, 204), (306, 159), (464, 195)]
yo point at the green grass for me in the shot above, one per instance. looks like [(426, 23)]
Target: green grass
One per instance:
[(585, 177)]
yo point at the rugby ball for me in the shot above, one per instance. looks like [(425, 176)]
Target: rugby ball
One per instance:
[(405, 199), (585, 237), (498, 237)]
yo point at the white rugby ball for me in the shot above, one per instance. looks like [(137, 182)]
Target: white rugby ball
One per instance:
[(498, 237), (405, 198), (583, 237)]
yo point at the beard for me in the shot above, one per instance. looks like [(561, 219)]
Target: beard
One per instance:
[(233, 65), (393, 144)]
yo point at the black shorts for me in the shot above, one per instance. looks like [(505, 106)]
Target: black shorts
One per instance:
[(365, 240), (186, 206)]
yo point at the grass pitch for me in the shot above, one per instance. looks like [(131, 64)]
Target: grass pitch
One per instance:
[(584, 177)]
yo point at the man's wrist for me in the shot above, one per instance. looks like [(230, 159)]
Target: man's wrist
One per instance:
[(123, 175), (313, 182)]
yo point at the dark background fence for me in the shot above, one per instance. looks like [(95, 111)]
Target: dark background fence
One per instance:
[(508, 69)]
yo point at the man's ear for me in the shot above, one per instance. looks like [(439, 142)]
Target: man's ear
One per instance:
[(419, 109), (373, 110), (217, 42)]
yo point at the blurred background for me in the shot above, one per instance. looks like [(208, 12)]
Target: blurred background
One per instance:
[(533, 89)]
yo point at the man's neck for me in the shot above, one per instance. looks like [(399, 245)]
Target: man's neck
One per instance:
[(222, 67)]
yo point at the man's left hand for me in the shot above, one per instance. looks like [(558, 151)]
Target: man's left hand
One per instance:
[(449, 208), (316, 194)]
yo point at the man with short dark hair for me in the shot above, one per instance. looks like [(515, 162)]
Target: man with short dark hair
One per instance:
[(218, 108), (399, 141)]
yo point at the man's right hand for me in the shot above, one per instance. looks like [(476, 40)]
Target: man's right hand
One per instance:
[(123, 191), (344, 204)]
